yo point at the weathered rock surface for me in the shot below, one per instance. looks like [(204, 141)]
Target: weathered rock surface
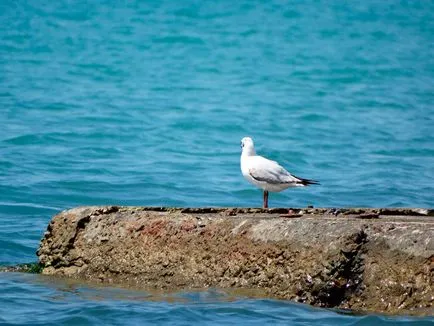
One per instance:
[(364, 259)]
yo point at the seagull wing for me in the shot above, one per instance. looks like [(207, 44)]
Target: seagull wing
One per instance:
[(265, 170)]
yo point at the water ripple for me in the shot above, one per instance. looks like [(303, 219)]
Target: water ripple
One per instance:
[(144, 103), (68, 302)]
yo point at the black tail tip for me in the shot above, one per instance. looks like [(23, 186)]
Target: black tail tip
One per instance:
[(307, 182)]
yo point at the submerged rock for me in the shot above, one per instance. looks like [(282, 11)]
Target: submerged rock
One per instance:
[(34, 268), (363, 259)]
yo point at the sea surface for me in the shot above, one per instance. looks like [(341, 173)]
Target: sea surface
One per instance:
[(145, 103)]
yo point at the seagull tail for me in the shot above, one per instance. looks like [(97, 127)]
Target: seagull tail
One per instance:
[(307, 182)]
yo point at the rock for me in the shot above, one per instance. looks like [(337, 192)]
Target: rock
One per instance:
[(378, 260)]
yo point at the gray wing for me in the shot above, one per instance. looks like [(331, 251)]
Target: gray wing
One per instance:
[(271, 172), (273, 177)]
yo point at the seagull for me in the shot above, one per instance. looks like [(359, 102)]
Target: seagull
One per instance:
[(266, 174)]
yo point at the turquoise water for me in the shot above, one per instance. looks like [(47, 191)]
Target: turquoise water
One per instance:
[(145, 103), (36, 301)]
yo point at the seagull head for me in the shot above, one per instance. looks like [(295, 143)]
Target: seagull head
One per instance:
[(247, 146)]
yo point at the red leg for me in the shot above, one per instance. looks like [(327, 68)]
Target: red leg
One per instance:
[(265, 199)]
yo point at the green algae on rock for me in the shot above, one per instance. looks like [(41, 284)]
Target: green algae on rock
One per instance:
[(34, 268)]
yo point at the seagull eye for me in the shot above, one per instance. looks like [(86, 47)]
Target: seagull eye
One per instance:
[(242, 144)]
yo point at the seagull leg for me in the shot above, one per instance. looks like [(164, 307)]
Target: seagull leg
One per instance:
[(265, 199)]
